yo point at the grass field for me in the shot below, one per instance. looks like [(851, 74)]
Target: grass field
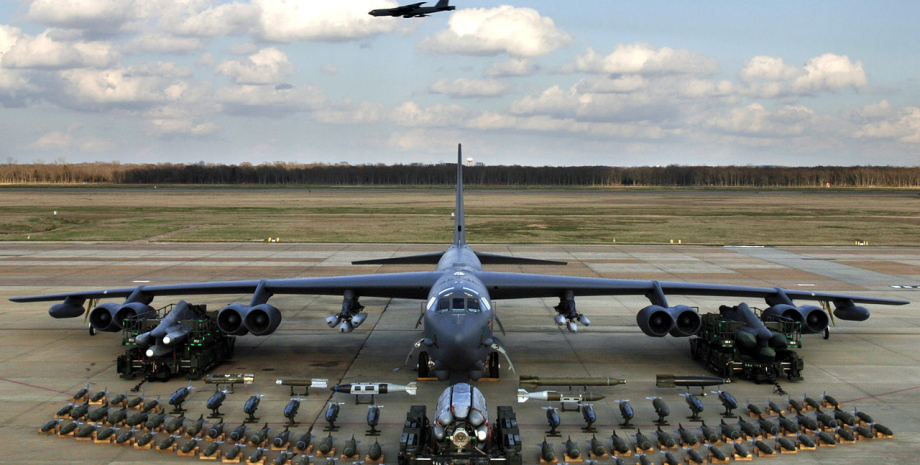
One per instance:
[(627, 216)]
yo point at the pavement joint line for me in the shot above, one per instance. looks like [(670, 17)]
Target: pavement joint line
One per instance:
[(876, 396)]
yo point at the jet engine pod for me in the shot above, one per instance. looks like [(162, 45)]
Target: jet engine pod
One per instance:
[(851, 312), (655, 321), (230, 319), (132, 310), (262, 319), (66, 310), (102, 318), (785, 311), (687, 321), (813, 319)]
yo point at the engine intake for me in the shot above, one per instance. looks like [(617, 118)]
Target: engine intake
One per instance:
[(813, 319), (655, 321), (133, 310), (687, 321), (262, 320), (102, 318), (230, 319)]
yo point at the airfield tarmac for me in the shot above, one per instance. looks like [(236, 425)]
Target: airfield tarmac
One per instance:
[(873, 365)]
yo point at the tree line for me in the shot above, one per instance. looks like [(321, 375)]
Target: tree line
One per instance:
[(444, 174)]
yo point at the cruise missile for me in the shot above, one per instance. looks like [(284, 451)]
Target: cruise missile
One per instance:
[(374, 388), (673, 381), (298, 382), (533, 382), (553, 396), (230, 378)]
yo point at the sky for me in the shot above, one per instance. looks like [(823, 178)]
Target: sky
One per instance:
[(531, 83)]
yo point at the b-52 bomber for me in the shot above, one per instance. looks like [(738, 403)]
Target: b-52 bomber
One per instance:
[(415, 10), (459, 344)]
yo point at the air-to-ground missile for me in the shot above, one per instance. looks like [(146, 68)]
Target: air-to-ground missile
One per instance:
[(546, 452), (597, 448), (169, 332), (117, 416), (571, 449), (260, 436), (155, 421), (709, 434), (211, 449), (620, 445), (533, 382), (68, 428), (642, 441), (825, 438), (144, 439), (768, 427), (375, 452), (135, 402), (864, 432), (174, 425), (773, 408), (125, 436), (256, 456), (846, 434), (351, 448), (195, 427), (283, 458), (216, 430), (665, 439), (150, 405), (250, 407), (730, 432), (178, 398), (49, 426), (740, 450), (826, 420), (795, 405), (785, 444), (753, 338), (81, 393), (105, 433), (661, 409), (214, 403), (788, 425), (626, 411), (694, 456), (290, 411), (686, 436), (882, 429), (673, 381), (808, 423), (716, 453), (696, 407), (374, 388), (763, 447), (231, 378), (234, 451), (553, 396), (99, 396), (552, 417), (238, 433), (98, 414), (325, 446), (63, 411), (749, 429), (282, 438), (842, 416), (669, 459), (79, 411), (728, 401), (304, 441), (167, 443), (189, 446), (137, 419)]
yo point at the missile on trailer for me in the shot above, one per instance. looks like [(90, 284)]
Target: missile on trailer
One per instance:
[(533, 382)]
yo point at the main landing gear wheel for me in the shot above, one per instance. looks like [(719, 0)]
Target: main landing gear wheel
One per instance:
[(494, 365), (423, 359)]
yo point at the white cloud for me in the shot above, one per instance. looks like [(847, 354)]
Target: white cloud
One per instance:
[(135, 86), (519, 32), (176, 120), (348, 113), (770, 77), (641, 58), (45, 51), (756, 120), (467, 88), (321, 20), (512, 67), (413, 115), (101, 15), (767, 69), (903, 126), (226, 19), (60, 140), (267, 66), (160, 43), (620, 84), (259, 100)]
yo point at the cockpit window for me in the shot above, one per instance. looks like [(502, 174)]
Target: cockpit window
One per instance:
[(458, 306), (472, 304), (443, 304)]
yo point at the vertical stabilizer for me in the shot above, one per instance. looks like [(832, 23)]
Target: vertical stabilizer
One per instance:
[(442, 3), (459, 226)]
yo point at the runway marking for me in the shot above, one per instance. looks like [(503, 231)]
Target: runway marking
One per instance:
[(880, 395), (33, 386)]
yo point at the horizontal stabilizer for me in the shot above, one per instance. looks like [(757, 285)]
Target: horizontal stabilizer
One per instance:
[(494, 259), (423, 259)]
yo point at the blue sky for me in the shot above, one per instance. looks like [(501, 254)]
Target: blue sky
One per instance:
[(535, 83)]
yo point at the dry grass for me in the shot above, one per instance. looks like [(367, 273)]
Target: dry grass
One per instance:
[(781, 217)]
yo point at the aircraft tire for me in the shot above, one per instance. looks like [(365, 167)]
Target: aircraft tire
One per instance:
[(423, 364), (494, 366)]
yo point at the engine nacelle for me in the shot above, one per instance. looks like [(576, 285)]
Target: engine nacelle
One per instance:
[(102, 318), (687, 321), (655, 321), (262, 320), (851, 312), (813, 319), (133, 310), (230, 319)]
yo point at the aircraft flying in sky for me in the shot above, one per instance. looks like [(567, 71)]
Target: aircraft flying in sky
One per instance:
[(415, 10), (458, 343)]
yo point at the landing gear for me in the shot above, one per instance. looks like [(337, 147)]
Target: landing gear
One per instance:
[(494, 365), (424, 370)]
